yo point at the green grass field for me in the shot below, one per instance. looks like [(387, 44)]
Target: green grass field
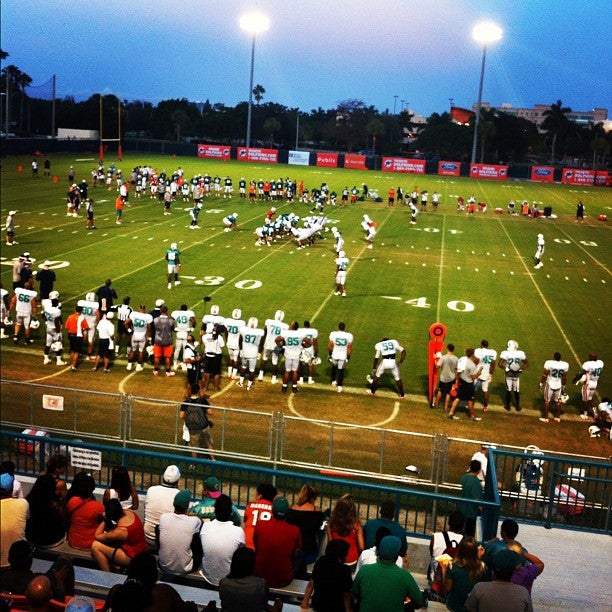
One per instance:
[(475, 275)]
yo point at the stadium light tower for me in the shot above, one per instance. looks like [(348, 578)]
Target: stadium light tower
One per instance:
[(254, 23), (484, 33)]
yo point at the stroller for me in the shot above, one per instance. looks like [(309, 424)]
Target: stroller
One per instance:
[(529, 477)]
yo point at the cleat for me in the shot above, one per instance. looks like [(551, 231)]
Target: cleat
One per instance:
[(46, 360), (544, 420), (177, 283), (340, 388), (60, 362), (250, 386), (557, 420), (475, 418), (300, 380), (334, 383), (294, 389), (139, 367), (344, 294), (169, 285), (261, 376), (311, 380), (274, 380), (129, 366), (284, 389), (336, 293), (155, 372), (169, 373), (584, 416), (240, 384), (453, 417)]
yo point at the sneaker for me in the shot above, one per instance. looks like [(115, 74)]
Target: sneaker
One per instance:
[(344, 294), (334, 383), (557, 420), (336, 293), (274, 380), (155, 372), (475, 418), (177, 282), (73, 368), (240, 384), (60, 362), (453, 417), (544, 420), (169, 373), (139, 367), (169, 285), (106, 371), (340, 389), (370, 246), (129, 366), (311, 381), (584, 416), (300, 380), (46, 360), (94, 369)]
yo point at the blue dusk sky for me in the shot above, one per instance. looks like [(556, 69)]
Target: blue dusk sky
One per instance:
[(317, 52)]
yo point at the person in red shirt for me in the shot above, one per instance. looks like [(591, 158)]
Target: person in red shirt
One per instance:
[(84, 511), (260, 509), (391, 198), (278, 547)]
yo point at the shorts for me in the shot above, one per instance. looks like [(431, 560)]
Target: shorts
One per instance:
[(172, 269), (119, 213), (270, 352), (551, 395), (341, 277), (466, 391), (249, 363), (233, 354), (76, 343), (138, 343), (163, 351), (212, 365), (23, 319), (193, 375), (445, 387), (292, 364), (389, 365), (339, 363), (513, 381), (104, 348), (482, 383), (200, 438), (588, 390)]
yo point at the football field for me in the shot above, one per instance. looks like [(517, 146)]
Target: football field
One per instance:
[(473, 273)]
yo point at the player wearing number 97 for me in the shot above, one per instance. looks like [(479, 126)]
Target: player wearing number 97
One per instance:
[(385, 360), (552, 384), (251, 342), (513, 361)]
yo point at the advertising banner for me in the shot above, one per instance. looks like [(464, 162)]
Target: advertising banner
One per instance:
[(266, 156), (449, 168), (328, 160), (576, 176), (356, 162), (214, 152), (496, 172), (299, 158), (399, 164), (542, 174)]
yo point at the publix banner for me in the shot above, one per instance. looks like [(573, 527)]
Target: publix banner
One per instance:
[(267, 156), (449, 168), (299, 158), (328, 160), (214, 152), (357, 162), (542, 174), (399, 164), (489, 171), (574, 176)]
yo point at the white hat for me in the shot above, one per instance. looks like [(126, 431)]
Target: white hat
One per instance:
[(172, 474), (159, 302), (46, 262)]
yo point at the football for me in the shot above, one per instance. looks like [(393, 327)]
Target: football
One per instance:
[(280, 341)]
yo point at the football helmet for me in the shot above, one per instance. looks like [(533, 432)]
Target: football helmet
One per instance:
[(564, 398), (236, 313), (279, 315), (90, 297), (341, 254), (316, 361), (54, 295), (252, 322), (57, 346), (214, 310), (8, 321), (34, 324), (174, 245), (110, 314), (512, 345), (594, 431)]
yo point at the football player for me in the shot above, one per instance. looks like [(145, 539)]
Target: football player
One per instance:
[(228, 187), (53, 325), (487, 359), (310, 351), (342, 263), (513, 361), (140, 322), (194, 213), (123, 314), (213, 317), (232, 326), (173, 257), (4, 311), (552, 384), (230, 222), (539, 252), (25, 305), (589, 377), (291, 340), (251, 340), (184, 323), (89, 310), (273, 328), (339, 240), (340, 347), (385, 360)]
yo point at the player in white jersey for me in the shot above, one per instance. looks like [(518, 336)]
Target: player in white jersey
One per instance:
[(123, 314), (214, 317), (140, 322), (340, 347), (251, 341), (291, 340), (552, 384), (91, 314), (53, 326), (274, 328), (385, 360), (342, 264), (589, 377), (487, 358), (310, 351), (513, 361), (184, 322), (25, 305), (539, 252), (339, 240), (4, 311), (232, 326)]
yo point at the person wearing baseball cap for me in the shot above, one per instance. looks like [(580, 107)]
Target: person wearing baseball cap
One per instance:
[(205, 509), (46, 277), (159, 500), (9, 226), (17, 265), (13, 516)]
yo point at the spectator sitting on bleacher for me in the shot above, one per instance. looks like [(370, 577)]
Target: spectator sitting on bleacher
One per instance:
[(38, 594), (205, 509), (121, 488), (81, 604), (56, 466), (61, 575), (13, 517), (260, 509), (308, 517), (437, 544), (15, 579), (160, 499), (180, 551), (370, 555), (220, 538), (528, 572), (508, 532), (386, 519), (83, 511), (119, 538), (46, 526), (142, 572), (240, 591), (8, 467), (278, 545)]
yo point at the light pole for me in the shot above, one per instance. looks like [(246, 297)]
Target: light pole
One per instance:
[(394, 104), (252, 23), (485, 33)]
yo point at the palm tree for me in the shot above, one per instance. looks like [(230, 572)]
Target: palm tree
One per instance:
[(258, 92), (556, 124), (271, 126), (598, 140), (375, 127)]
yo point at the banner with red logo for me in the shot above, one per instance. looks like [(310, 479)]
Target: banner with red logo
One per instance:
[(214, 152), (266, 156), (496, 172), (542, 174), (356, 162), (399, 164), (449, 168), (575, 176), (328, 160)]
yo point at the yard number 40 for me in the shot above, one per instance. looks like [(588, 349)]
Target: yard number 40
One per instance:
[(456, 305)]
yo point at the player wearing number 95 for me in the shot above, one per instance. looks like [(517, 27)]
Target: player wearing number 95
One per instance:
[(513, 361), (385, 361), (552, 384)]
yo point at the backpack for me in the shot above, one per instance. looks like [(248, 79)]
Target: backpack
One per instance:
[(195, 414), (434, 573)]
